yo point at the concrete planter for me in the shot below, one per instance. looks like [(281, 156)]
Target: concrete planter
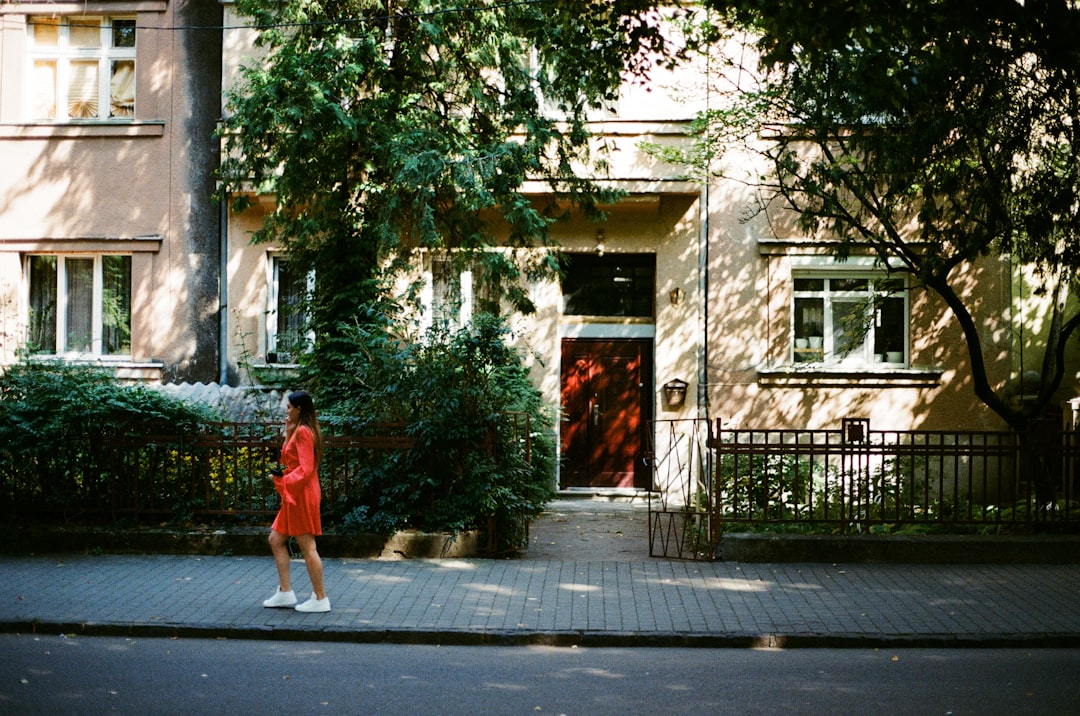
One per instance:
[(914, 549), (406, 544)]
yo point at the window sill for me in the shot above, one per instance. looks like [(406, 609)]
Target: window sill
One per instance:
[(274, 375), (123, 368), (821, 376), (82, 130), (582, 318)]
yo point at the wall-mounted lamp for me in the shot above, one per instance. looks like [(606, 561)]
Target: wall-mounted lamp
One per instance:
[(675, 393), (676, 296), (601, 238)]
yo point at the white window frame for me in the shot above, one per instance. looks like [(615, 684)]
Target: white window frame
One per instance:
[(806, 351), (273, 295), (64, 56), (438, 281), (96, 309)]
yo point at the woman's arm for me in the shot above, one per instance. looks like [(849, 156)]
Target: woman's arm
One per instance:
[(304, 447)]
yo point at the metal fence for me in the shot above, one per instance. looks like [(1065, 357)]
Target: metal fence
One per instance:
[(168, 476), (854, 479), (221, 472)]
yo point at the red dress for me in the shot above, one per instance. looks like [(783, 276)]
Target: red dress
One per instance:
[(299, 487)]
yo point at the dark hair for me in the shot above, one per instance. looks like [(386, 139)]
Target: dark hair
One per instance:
[(302, 401)]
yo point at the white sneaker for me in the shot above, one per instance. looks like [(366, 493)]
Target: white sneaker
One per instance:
[(281, 599), (314, 605)]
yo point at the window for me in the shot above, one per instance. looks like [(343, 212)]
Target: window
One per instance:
[(287, 332), (446, 291), (79, 305), (82, 68), (447, 295), (609, 285), (849, 319)]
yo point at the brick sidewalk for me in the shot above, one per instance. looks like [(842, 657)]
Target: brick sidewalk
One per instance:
[(625, 603)]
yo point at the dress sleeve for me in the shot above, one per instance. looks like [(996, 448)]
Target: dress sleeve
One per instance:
[(305, 451)]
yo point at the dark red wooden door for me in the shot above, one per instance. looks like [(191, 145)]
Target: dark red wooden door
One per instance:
[(606, 386)]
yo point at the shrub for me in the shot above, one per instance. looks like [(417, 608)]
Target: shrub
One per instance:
[(465, 397), (60, 421), (766, 486)]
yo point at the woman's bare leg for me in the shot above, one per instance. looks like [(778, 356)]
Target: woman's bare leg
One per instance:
[(279, 546), (313, 563)]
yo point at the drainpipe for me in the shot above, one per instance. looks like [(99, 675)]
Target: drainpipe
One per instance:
[(223, 292), (703, 265), (703, 291)]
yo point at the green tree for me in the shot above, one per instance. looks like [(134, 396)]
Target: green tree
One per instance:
[(963, 117), (383, 127)]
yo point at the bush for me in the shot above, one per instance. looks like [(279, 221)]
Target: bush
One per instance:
[(466, 399), (60, 421), (767, 486)]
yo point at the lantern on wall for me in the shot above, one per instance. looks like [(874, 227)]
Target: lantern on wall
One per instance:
[(675, 393)]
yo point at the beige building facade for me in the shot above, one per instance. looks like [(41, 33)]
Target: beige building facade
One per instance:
[(109, 232), (681, 305)]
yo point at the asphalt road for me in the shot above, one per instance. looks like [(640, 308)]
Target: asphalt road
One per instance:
[(97, 675)]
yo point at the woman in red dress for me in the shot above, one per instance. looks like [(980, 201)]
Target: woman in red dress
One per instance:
[(299, 514)]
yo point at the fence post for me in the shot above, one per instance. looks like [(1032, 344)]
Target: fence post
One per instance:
[(855, 433), (856, 430)]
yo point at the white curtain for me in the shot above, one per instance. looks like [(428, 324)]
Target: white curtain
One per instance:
[(83, 90), (122, 89), (45, 89)]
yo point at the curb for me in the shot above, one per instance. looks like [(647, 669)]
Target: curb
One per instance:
[(597, 639)]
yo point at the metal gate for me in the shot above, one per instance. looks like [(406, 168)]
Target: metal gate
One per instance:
[(680, 526)]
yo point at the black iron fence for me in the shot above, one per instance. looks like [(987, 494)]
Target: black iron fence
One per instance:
[(854, 479), (163, 475), (220, 473)]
